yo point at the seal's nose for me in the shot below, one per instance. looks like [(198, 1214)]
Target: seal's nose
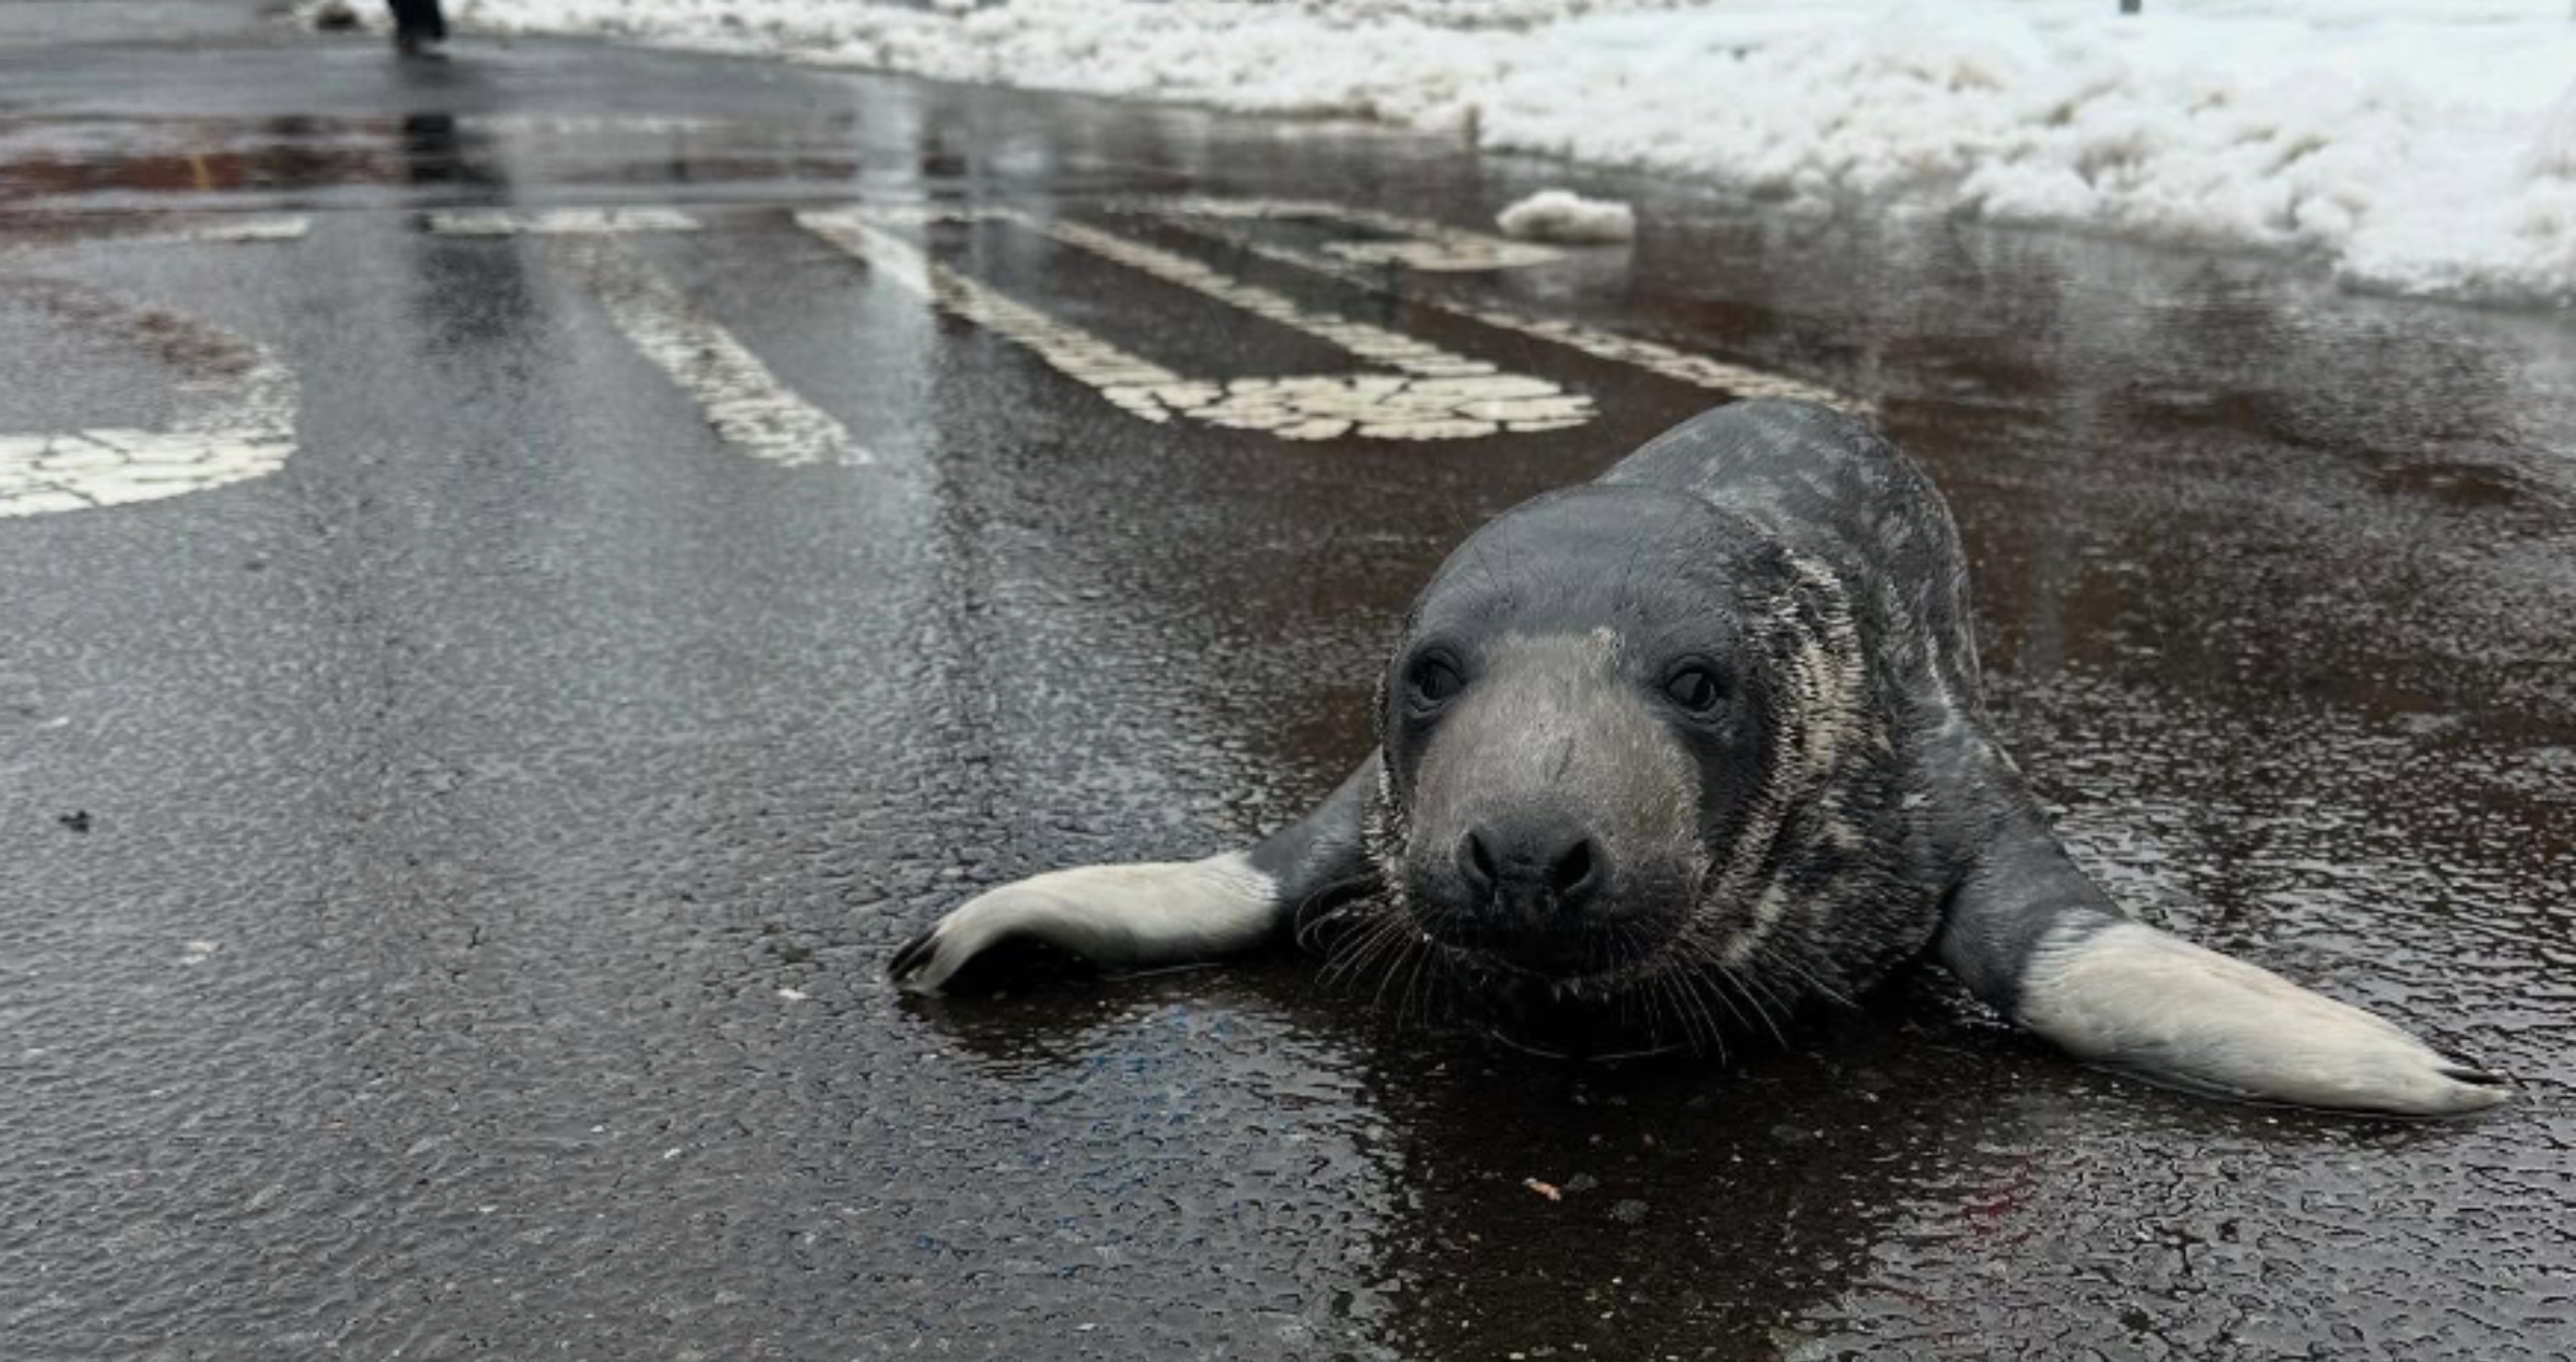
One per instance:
[(1545, 864)]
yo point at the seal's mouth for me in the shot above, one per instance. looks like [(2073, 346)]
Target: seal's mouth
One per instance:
[(1646, 986), (1381, 942), (1594, 944), (1570, 956), (1561, 956)]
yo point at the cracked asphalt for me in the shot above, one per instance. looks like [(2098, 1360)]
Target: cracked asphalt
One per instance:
[(504, 623)]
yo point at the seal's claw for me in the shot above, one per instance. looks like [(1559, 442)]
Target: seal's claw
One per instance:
[(910, 958), (2461, 1071), (928, 961), (2449, 1089)]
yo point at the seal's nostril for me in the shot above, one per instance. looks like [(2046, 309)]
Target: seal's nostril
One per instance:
[(1477, 864), (1538, 866), (1571, 876)]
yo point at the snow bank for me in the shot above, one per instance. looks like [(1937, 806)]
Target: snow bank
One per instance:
[(2419, 146), (1561, 215)]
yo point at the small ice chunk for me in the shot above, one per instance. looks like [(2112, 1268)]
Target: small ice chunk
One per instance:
[(1568, 218)]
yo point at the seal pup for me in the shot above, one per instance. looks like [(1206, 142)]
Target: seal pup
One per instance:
[(1714, 720)]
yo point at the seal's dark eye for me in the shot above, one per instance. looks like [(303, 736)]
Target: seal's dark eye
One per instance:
[(1695, 689), (1434, 681)]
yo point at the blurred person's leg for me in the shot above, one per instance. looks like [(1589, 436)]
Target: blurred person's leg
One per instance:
[(417, 22)]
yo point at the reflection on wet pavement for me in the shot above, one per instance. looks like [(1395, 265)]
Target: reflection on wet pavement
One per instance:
[(498, 812)]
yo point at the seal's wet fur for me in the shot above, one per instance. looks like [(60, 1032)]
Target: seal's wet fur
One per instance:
[(1707, 733)]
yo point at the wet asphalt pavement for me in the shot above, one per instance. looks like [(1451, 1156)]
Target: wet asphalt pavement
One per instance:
[(460, 780)]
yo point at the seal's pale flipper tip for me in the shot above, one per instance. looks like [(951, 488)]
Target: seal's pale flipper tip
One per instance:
[(1156, 913), (2032, 936), (2126, 995)]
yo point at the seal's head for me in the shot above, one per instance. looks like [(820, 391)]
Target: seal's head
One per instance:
[(1604, 711)]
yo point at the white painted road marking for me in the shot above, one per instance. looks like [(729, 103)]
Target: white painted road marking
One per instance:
[(561, 222), (290, 227), (1203, 216), (588, 125), (747, 405), (1415, 243), (236, 419), (1375, 344), (1125, 379), (238, 408), (1433, 395)]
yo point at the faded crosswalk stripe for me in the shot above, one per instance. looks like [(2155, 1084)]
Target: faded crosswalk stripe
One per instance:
[(747, 405)]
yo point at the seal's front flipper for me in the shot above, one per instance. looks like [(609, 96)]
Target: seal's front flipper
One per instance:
[(2029, 934), (1158, 913), (1116, 916)]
